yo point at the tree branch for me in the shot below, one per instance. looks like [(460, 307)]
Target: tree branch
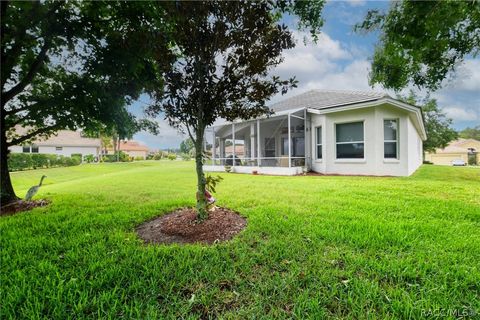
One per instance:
[(29, 76), (32, 134)]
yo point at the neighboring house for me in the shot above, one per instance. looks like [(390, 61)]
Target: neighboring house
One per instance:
[(132, 148), (329, 132), (64, 142), (461, 149)]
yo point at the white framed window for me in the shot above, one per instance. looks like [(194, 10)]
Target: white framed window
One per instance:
[(349, 138), (59, 148), (26, 149), (390, 139), (318, 142), (34, 149)]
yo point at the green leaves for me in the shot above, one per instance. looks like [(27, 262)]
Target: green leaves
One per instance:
[(422, 42)]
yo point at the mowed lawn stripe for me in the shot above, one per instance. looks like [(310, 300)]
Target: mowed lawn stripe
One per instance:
[(336, 247)]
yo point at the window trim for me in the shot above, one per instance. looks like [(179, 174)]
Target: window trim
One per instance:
[(318, 144), (397, 141), (350, 160)]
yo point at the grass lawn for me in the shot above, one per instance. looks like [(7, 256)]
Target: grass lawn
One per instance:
[(314, 247)]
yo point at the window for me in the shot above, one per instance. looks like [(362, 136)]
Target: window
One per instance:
[(349, 140), (284, 146), (34, 149), (318, 142), (59, 148), (270, 147), (26, 149), (390, 139)]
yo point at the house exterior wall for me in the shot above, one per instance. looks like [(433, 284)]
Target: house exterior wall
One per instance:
[(445, 159), (373, 163), (135, 154), (66, 151)]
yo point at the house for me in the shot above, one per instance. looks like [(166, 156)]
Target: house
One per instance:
[(461, 149), (325, 131), (64, 142), (133, 149)]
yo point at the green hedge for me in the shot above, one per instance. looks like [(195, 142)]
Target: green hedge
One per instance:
[(25, 161)]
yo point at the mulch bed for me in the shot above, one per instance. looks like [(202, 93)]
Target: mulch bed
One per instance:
[(22, 205), (181, 227)]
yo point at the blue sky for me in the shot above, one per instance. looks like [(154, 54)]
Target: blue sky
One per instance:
[(340, 60)]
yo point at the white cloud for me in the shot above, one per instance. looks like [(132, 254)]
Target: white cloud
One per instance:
[(462, 114), (467, 76)]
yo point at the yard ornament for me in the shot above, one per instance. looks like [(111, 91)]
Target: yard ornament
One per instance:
[(33, 190)]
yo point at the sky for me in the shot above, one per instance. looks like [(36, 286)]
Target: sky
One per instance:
[(340, 60)]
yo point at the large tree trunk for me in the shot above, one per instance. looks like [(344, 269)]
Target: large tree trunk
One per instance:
[(202, 212), (7, 193)]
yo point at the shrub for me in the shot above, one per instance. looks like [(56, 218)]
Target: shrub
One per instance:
[(158, 156), (26, 161), (88, 158), (186, 157), (171, 156), (139, 158), (77, 156)]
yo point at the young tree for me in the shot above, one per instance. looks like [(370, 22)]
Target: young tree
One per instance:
[(471, 133), (76, 64), (437, 125), (187, 146), (226, 53), (422, 42)]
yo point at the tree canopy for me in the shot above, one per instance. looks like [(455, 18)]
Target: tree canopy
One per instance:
[(227, 51), (69, 65), (437, 124), (422, 42), (470, 133)]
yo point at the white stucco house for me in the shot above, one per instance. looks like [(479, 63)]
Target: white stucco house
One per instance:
[(64, 143), (324, 131)]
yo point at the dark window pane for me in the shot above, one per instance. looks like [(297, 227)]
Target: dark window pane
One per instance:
[(346, 132), (26, 149), (299, 147), (270, 147), (34, 149), (319, 135), (319, 152), (390, 129), (284, 146), (390, 150), (350, 151)]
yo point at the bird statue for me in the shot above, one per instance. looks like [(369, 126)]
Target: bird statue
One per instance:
[(33, 190)]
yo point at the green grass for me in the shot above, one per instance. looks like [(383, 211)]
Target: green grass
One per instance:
[(314, 247)]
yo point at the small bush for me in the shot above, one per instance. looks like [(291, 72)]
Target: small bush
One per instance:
[(88, 158), (139, 158), (186, 157), (171, 156)]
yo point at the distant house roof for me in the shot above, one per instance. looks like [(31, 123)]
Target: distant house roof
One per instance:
[(64, 138), (132, 145), (459, 146), (322, 99)]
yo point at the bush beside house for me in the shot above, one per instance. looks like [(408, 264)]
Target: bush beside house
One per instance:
[(26, 161)]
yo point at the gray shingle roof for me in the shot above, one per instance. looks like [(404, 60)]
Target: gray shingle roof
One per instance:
[(321, 99)]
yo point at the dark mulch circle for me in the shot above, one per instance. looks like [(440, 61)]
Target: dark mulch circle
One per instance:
[(180, 226), (22, 205)]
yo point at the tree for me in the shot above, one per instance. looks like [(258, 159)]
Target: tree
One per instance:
[(437, 125), (187, 146), (69, 65), (470, 133), (226, 52), (422, 42)]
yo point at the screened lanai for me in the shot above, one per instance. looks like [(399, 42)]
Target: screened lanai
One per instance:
[(273, 145)]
